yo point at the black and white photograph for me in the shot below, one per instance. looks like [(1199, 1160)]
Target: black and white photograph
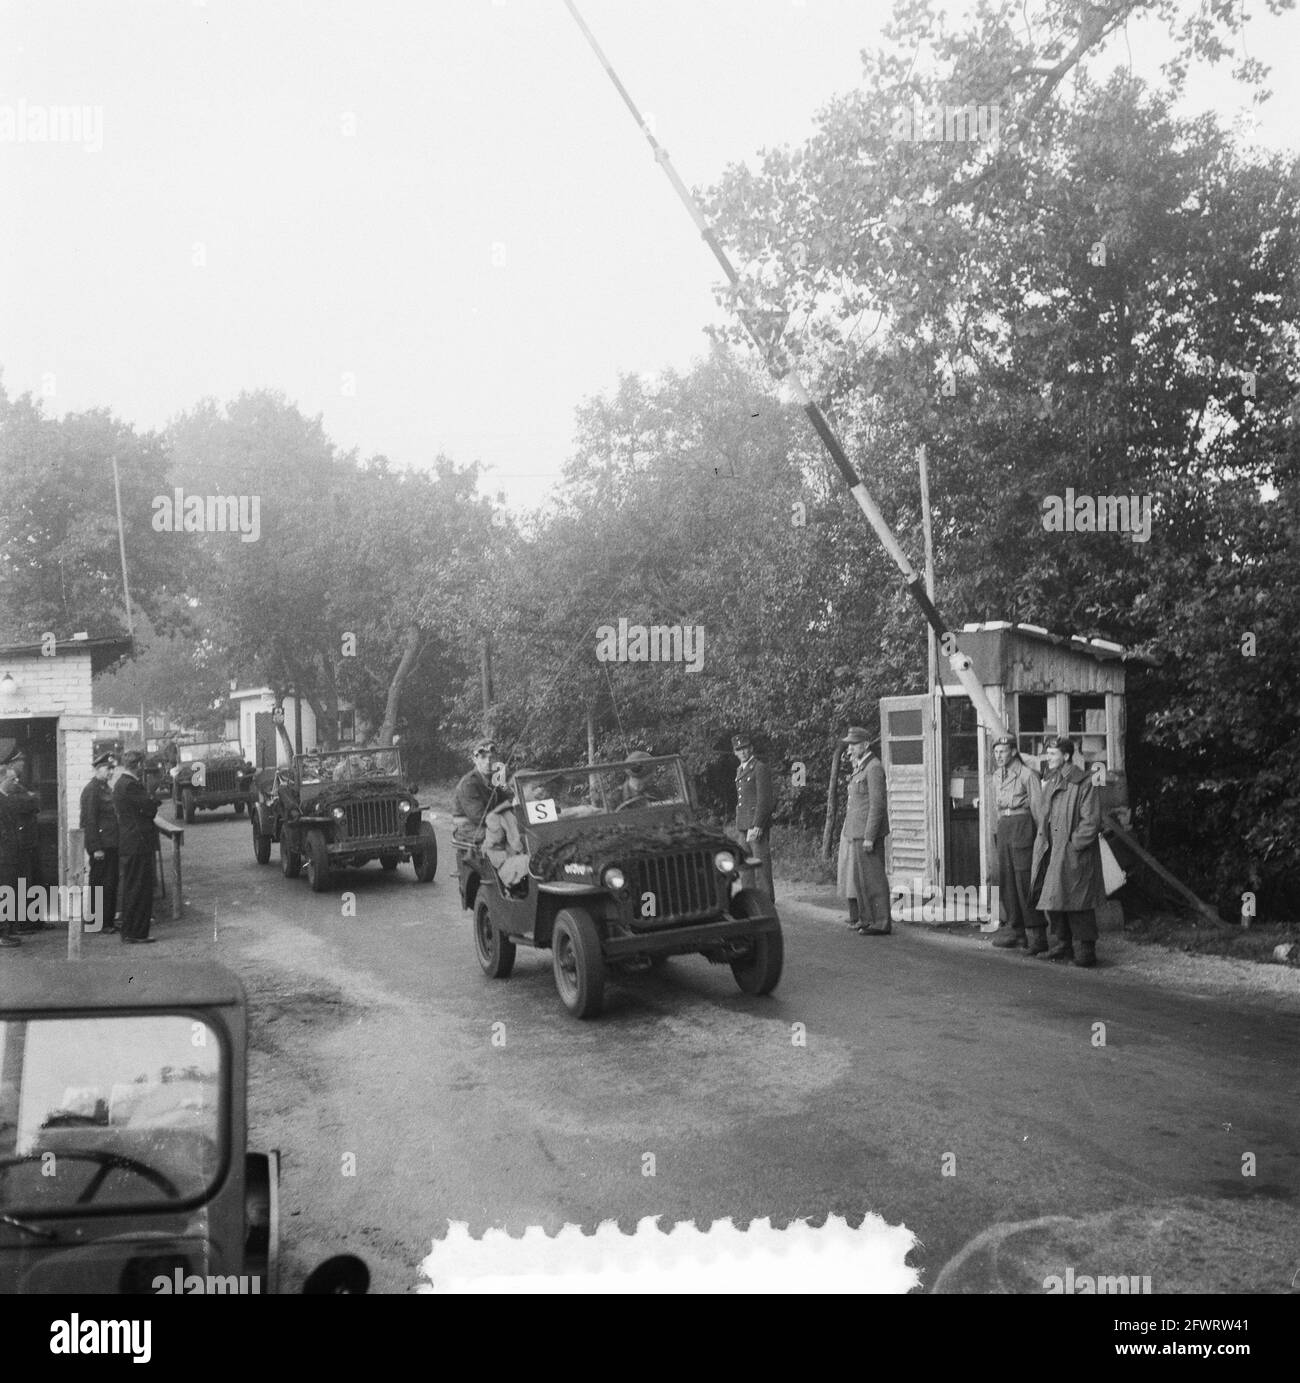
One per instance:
[(675, 625)]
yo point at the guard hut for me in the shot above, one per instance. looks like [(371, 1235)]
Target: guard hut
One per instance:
[(45, 710), (938, 761)]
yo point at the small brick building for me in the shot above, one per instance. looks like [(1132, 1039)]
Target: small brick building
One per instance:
[(46, 711)]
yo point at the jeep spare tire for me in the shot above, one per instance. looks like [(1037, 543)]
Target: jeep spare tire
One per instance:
[(578, 963)]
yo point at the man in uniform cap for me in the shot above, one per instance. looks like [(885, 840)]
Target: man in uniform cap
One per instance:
[(754, 808), (1018, 801), (137, 838), (861, 876), (480, 791), (636, 784), (99, 830), (24, 807)]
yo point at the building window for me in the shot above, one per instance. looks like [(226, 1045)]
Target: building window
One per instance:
[(906, 732), (1088, 726), (1035, 721)]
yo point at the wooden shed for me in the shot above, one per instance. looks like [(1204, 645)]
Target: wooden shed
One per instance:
[(938, 760)]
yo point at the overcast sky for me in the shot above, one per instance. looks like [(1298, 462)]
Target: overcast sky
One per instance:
[(430, 221)]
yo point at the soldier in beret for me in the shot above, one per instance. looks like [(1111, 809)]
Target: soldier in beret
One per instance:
[(137, 839), (479, 792), (861, 876), (754, 808), (99, 828), (1019, 802)]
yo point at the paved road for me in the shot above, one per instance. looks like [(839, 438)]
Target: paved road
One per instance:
[(925, 1054)]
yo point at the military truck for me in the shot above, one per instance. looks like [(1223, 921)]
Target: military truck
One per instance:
[(336, 809), (124, 1159), (621, 873), (210, 775)]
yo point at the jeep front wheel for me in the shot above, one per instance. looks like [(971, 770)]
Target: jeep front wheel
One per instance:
[(261, 843), (239, 809), (424, 855), (290, 860), (187, 804), (318, 862), (496, 952), (578, 963), (760, 971)]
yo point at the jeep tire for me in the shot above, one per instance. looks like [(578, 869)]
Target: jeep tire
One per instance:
[(495, 950), (578, 963), (261, 843), (760, 971), (290, 860), (424, 855), (318, 862)]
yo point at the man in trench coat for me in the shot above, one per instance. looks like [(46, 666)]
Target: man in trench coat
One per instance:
[(1067, 857), (861, 876), (137, 839)]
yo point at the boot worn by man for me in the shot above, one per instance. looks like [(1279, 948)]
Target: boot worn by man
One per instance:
[(877, 930), (1062, 950), (1008, 937), (1086, 955), (1035, 941)]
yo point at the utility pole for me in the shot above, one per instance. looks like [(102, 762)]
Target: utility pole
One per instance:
[(126, 589), (485, 680), (765, 329)]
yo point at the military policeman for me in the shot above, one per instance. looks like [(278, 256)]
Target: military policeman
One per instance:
[(99, 829), (754, 808), (861, 876)]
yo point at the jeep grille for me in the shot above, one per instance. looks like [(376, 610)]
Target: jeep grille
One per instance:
[(377, 816), (221, 780), (685, 886)]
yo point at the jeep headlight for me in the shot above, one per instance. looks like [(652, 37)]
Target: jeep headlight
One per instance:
[(725, 862), (338, 813), (403, 807), (613, 878)]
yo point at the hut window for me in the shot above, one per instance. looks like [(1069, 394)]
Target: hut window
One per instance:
[(1035, 720), (1088, 726), (906, 740)]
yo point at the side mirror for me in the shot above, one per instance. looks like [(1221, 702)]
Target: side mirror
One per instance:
[(343, 1275)]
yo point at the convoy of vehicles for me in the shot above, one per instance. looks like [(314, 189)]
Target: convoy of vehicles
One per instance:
[(622, 873), (209, 775), (336, 809), (124, 1164)]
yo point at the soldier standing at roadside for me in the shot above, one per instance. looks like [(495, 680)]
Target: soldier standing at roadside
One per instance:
[(99, 828), (137, 837), (861, 876), (1019, 801), (754, 808)]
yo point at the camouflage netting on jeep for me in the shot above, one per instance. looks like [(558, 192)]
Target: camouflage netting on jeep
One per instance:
[(609, 843), (329, 795)]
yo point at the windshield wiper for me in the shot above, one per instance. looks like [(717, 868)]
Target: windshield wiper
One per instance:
[(35, 1230)]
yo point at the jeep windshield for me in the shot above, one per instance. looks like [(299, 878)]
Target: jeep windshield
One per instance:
[(603, 789), (100, 1113), (339, 766), (213, 749)]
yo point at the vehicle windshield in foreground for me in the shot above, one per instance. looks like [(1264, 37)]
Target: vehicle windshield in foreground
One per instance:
[(340, 766), (214, 749), (604, 788), (97, 1113)]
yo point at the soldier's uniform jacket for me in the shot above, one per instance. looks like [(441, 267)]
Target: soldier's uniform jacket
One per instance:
[(1016, 790), (476, 797), (135, 813), (753, 796), (98, 817), (24, 806), (866, 811)]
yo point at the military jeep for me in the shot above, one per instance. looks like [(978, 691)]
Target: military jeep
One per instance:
[(335, 809), (208, 776), (124, 1165), (622, 873)]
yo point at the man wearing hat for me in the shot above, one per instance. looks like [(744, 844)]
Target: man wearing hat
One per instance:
[(24, 806), (1067, 850), (861, 876), (1019, 803), (99, 829), (478, 792), (137, 840), (754, 808), (636, 783)]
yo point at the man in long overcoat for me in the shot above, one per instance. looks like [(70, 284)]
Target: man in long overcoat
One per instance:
[(1068, 852), (99, 830), (861, 876), (137, 839)]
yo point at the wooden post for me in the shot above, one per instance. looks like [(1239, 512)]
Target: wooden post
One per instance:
[(177, 836), (591, 737), (77, 878), (832, 800), (485, 680)]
